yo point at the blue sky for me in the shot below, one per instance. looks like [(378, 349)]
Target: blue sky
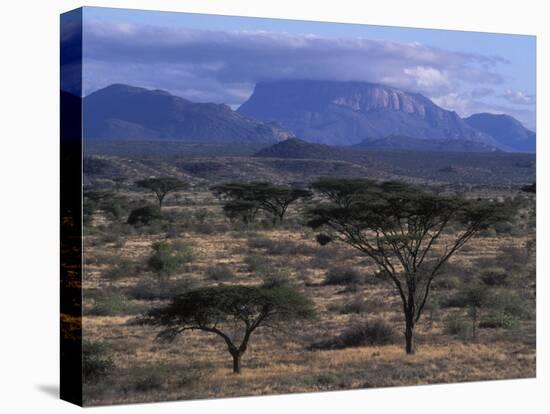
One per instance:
[(211, 58)]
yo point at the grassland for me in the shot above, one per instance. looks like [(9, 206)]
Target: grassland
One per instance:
[(118, 287)]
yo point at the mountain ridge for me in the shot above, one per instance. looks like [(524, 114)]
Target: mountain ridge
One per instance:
[(347, 113), (122, 111), (510, 132)]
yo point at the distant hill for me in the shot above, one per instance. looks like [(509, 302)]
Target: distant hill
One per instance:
[(298, 149), (347, 113), (402, 143), (505, 129), (127, 112)]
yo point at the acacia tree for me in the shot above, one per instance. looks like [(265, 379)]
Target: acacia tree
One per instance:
[(402, 229), (474, 297), (233, 313), (270, 198), (161, 186)]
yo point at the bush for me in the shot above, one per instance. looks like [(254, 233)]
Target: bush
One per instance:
[(281, 247), (123, 269), (96, 363), (454, 324), (150, 290), (495, 277), (110, 303), (144, 215), (276, 278), (149, 378), (511, 304), (356, 305), (504, 227), (373, 333), (256, 263), (219, 272), (499, 319), (169, 258), (342, 276), (488, 233)]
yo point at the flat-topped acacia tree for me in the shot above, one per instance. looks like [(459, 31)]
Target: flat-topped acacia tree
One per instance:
[(402, 229), (161, 186), (233, 313), (249, 198)]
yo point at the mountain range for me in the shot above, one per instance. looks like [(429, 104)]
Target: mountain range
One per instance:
[(350, 113), (357, 114), (127, 112), (510, 132)]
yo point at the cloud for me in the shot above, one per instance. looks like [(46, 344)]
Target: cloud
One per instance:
[(519, 97), (223, 66)]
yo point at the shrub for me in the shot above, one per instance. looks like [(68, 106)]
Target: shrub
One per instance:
[(504, 227), (454, 324), (342, 276), (511, 304), (256, 263), (96, 363), (150, 290), (377, 332), (219, 272), (495, 277), (276, 278), (281, 247), (110, 303), (498, 319), (123, 269), (356, 305), (488, 233), (149, 378), (144, 215), (169, 258)]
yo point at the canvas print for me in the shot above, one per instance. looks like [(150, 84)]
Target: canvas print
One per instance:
[(259, 206)]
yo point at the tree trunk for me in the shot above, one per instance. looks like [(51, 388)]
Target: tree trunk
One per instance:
[(236, 363), (474, 323), (409, 334)]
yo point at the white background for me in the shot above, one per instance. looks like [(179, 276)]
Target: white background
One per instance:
[(29, 86)]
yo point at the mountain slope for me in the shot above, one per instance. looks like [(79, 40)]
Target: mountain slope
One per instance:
[(295, 148), (402, 143), (346, 113), (505, 129), (126, 112)]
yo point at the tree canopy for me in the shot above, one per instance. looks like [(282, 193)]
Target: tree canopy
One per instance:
[(161, 186), (402, 229), (244, 200), (231, 312)]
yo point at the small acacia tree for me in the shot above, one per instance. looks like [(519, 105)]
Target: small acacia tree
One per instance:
[(161, 186), (233, 313), (475, 297), (402, 229), (270, 198)]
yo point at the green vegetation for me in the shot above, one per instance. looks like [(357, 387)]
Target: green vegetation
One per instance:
[(162, 186), (399, 226), (209, 309), (245, 200), (169, 258)]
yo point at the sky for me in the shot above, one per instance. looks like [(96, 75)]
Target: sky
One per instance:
[(210, 58)]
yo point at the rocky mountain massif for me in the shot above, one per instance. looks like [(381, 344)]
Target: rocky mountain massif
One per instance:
[(350, 113)]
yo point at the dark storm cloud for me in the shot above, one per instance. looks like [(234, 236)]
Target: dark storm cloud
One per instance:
[(224, 66)]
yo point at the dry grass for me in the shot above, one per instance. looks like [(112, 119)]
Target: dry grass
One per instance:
[(199, 366)]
